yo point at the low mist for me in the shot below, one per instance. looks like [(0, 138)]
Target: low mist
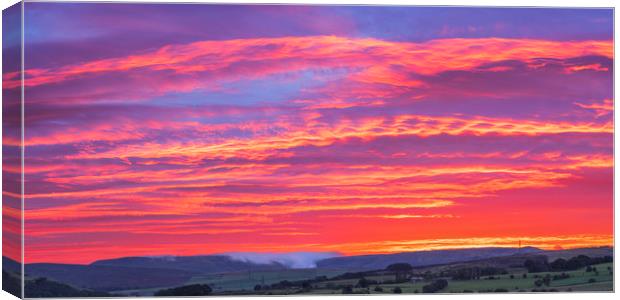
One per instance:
[(294, 260)]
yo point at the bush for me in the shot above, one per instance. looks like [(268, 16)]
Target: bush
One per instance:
[(591, 280), (378, 289), (538, 282), (561, 276), (347, 290), (364, 283), (501, 291), (435, 286), (546, 281), (186, 290), (397, 290)]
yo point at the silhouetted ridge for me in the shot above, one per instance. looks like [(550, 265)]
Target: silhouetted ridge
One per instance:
[(419, 258)]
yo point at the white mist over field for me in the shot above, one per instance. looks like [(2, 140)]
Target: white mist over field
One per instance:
[(295, 260)]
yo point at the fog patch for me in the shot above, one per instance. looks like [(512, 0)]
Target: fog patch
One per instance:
[(293, 260)]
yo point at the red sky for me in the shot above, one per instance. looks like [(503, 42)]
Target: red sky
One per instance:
[(360, 138)]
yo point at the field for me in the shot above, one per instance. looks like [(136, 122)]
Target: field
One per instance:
[(578, 281), (244, 282), (247, 280)]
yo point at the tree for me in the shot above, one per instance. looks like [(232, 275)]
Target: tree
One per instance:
[(186, 290), (538, 282), (537, 265), (435, 286), (400, 270), (347, 290), (547, 280), (558, 264), (363, 282)]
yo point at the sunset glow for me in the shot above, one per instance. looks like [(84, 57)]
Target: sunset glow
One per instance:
[(355, 130)]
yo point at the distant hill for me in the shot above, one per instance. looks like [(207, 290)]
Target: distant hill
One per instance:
[(107, 278), (169, 271), (568, 253), (204, 264), (138, 272), (11, 265), (44, 288), (419, 258)]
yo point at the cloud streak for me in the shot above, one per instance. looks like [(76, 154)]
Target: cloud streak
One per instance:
[(308, 139)]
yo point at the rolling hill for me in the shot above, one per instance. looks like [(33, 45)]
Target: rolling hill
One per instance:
[(107, 278), (204, 264), (419, 258), (130, 273)]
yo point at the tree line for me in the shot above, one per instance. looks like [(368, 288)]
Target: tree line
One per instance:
[(560, 264)]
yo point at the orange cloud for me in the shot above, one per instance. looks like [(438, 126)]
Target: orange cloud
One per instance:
[(316, 133), (309, 52), (601, 108)]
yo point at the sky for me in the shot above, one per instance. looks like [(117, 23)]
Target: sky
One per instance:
[(157, 129)]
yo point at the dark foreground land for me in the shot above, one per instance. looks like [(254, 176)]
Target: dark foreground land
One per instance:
[(516, 270)]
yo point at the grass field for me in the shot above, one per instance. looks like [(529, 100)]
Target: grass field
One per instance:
[(578, 281), (244, 282), (247, 280)]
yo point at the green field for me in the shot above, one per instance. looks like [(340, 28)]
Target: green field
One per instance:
[(244, 282), (578, 281), (247, 280)]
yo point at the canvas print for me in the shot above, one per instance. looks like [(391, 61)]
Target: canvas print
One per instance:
[(219, 149)]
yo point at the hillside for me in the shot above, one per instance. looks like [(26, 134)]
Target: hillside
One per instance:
[(568, 253), (137, 273), (204, 264), (11, 265), (420, 258), (107, 278)]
